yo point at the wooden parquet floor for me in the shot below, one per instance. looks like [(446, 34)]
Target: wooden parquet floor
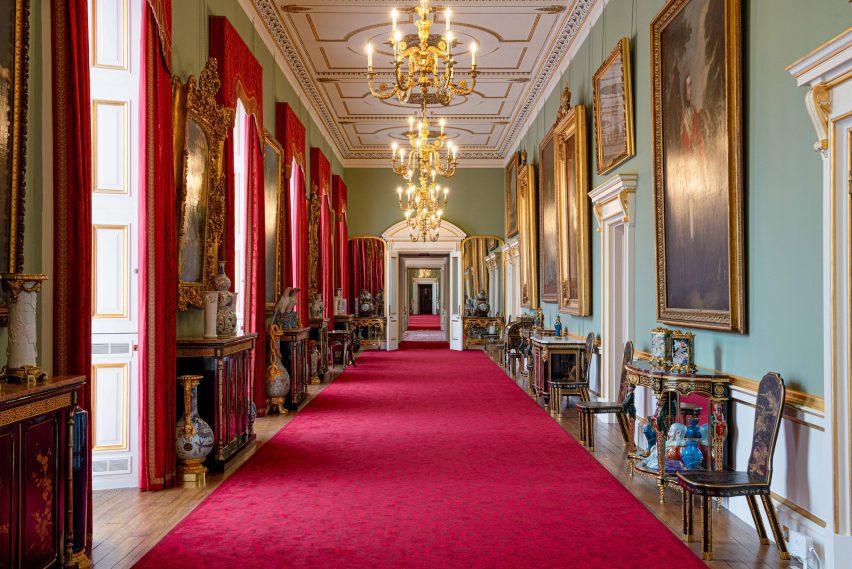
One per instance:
[(127, 523)]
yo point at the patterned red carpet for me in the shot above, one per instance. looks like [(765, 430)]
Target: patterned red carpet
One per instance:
[(424, 322), (421, 459)]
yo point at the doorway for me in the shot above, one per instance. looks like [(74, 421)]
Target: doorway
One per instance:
[(424, 295)]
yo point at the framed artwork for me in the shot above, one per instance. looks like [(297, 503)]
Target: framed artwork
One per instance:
[(698, 177), (613, 87), (512, 196), (548, 220), (572, 185), (200, 131), (274, 184), (14, 70), (527, 232)]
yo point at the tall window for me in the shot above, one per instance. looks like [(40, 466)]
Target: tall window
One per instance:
[(241, 229)]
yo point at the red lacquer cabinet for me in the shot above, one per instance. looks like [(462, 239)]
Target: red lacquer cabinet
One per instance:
[(35, 429)]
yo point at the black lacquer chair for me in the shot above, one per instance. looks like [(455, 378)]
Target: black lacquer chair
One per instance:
[(755, 481), (623, 409), (576, 382)]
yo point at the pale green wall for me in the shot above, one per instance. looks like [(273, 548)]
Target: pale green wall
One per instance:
[(190, 52), (783, 181), (476, 200)]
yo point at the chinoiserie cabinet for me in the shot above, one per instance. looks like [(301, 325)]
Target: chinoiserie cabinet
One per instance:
[(554, 358), (225, 395), (36, 434), (319, 334), (294, 356)]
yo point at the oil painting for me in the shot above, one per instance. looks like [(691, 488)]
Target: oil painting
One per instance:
[(698, 191), (512, 196), (194, 221), (273, 186), (548, 221), (614, 139)]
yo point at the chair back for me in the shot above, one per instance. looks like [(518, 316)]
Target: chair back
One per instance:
[(590, 350), (767, 422), (628, 357)]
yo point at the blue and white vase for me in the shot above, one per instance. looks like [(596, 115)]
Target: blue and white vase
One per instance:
[(691, 454), (193, 436)]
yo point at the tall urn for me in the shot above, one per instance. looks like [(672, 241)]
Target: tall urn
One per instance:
[(277, 383), (193, 436), (21, 355)]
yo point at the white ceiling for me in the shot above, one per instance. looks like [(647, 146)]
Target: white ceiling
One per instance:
[(523, 44)]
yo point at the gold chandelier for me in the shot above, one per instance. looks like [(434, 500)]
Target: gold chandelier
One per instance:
[(424, 52), (423, 206), (424, 155)]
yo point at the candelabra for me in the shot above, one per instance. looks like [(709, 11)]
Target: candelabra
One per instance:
[(423, 206), (424, 155), (424, 52)]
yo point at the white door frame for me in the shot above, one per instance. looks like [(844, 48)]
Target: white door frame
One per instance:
[(430, 281), (398, 240), (613, 204), (437, 262)]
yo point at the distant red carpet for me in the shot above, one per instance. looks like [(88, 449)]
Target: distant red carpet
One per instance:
[(422, 460), (424, 345), (424, 322)]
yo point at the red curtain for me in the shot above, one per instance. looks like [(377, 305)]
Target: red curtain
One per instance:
[(321, 189), (256, 278), (72, 200), (341, 239), (367, 262), (157, 254), (242, 78)]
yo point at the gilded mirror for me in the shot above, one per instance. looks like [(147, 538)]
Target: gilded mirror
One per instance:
[(482, 276), (201, 126), (273, 196), (572, 188), (528, 236), (14, 68)]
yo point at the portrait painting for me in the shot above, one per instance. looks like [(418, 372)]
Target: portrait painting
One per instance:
[(613, 96), (273, 187), (527, 232), (698, 191), (548, 221), (573, 209), (194, 215), (512, 196)]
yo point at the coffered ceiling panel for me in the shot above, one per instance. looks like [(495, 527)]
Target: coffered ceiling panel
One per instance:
[(521, 45)]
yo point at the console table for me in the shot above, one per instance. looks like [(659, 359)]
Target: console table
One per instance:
[(370, 330), (475, 329), (343, 322), (225, 395), (319, 334), (668, 387), (294, 355), (36, 484)]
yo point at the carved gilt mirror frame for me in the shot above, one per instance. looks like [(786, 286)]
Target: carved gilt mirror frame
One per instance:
[(275, 186), (528, 236), (201, 126), (493, 246), (572, 186), (314, 206), (14, 71)]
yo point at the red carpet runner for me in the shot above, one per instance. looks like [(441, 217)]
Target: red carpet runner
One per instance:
[(424, 322), (422, 459)]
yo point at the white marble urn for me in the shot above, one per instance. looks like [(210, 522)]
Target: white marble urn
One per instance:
[(22, 298)]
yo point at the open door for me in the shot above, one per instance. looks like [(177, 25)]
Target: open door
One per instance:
[(455, 301), (392, 301)]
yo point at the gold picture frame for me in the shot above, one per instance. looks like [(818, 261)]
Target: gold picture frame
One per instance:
[(14, 71), (613, 101), (512, 196), (527, 232), (572, 187), (698, 172), (480, 245), (201, 126), (549, 277), (274, 188)]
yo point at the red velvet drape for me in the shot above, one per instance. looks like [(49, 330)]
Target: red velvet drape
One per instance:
[(298, 208), (341, 238), (321, 189), (157, 254), (367, 262), (72, 200), (242, 78), (256, 282)]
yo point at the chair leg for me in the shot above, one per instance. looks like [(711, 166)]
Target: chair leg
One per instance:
[(689, 498), (622, 425), (584, 393), (776, 528), (582, 428), (707, 512), (758, 520), (590, 428)]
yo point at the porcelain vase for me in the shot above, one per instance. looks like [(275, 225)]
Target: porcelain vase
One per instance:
[(211, 308), (226, 316), (193, 436), (21, 354), (277, 383), (691, 454)]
